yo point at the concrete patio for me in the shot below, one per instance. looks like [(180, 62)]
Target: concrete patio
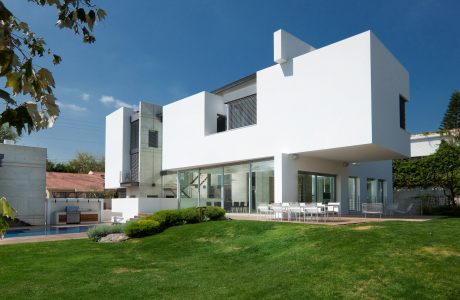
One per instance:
[(333, 221)]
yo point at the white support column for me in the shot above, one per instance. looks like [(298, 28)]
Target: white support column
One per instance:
[(285, 178)]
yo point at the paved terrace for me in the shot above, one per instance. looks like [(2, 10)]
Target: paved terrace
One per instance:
[(333, 221)]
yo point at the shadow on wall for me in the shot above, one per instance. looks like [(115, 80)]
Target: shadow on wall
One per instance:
[(287, 68)]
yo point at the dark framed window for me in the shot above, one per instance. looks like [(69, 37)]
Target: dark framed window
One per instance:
[(153, 138), (402, 112), (134, 137)]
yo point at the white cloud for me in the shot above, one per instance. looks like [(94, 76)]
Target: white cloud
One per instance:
[(71, 106), (112, 101), (85, 97)]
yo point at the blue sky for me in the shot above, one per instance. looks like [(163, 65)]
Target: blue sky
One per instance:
[(161, 51)]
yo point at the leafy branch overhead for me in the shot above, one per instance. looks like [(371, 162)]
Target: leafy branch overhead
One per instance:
[(19, 46)]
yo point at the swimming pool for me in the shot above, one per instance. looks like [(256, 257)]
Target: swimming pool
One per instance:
[(41, 230)]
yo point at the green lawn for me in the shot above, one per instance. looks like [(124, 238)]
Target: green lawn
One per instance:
[(245, 260)]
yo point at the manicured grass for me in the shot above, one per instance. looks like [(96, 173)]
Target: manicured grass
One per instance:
[(245, 260)]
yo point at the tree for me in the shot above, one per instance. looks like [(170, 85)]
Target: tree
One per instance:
[(19, 46), (85, 162), (441, 170), (59, 167), (82, 163), (451, 119), (445, 172), (5, 211), (6, 133)]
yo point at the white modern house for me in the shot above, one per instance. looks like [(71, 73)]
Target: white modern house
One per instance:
[(320, 125)]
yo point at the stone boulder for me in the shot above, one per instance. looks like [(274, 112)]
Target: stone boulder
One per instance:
[(114, 238)]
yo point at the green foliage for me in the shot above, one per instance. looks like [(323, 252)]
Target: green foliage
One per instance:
[(412, 172), (82, 163), (85, 162), (99, 231), (214, 213), (142, 227), (175, 217), (191, 215), (6, 133), (19, 46), (451, 119), (5, 211), (446, 210), (168, 218), (441, 169)]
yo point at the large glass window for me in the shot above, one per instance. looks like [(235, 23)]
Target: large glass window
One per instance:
[(376, 190), (263, 183), (211, 187), (353, 194), (237, 188), (316, 188), (242, 112), (189, 188)]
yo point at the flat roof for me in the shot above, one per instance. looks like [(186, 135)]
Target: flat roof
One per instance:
[(235, 83)]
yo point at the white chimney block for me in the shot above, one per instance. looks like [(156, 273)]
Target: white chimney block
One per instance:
[(287, 46)]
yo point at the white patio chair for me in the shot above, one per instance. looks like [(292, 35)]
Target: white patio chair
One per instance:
[(311, 210), (297, 211), (278, 211), (333, 208), (322, 211), (264, 210)]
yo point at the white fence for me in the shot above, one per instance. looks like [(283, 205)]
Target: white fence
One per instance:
[(132, 207)]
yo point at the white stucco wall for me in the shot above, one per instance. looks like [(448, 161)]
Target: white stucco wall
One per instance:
[(389, 80), (424, 144), (132, 207), (320, 103), (117, 142), (23, 181)]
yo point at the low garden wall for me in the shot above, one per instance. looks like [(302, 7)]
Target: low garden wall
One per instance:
[(132, 207)]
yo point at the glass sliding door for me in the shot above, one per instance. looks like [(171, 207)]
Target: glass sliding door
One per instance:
[(236, 188), (354, 204), (211, 187), (315, 188), (325, 189), (262, 183), (372, 190), (189, 188)]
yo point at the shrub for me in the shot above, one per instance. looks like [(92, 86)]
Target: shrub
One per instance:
[(214, 213), (442, 211), (191, 215), (168, 218), (97, 232), (142, 227), (173, 217)]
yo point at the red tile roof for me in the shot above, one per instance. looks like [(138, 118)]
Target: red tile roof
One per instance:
[(57, 181)]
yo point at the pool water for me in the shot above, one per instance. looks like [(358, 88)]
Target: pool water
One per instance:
[(41, 230)]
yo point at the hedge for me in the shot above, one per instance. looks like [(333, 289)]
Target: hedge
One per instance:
[(142, 227)]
